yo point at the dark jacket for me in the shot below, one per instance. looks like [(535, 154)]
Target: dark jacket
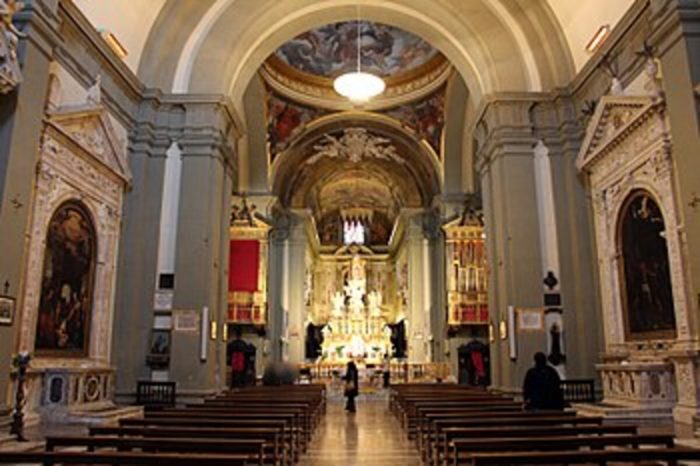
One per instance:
[(541, 389), (352, 376)]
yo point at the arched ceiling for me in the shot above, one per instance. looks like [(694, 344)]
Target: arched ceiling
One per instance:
[(355, 162), (219, 46), (158, 33), (225, 49)]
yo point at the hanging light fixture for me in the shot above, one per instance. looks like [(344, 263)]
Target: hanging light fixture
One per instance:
[(357, 85)]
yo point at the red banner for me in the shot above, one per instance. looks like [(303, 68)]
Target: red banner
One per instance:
[(244, 261)]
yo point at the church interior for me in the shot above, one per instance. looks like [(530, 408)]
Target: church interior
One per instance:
[(221, 219)]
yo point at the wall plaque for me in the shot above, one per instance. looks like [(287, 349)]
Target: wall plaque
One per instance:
[(163, 300), (186, 321), (530, 319)]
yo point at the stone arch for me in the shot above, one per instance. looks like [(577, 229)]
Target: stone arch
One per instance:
[(67, 281), (644, 268), (421, 170), (223, 48)]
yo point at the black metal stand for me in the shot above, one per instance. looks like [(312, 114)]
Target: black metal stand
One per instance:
[(21, 362)]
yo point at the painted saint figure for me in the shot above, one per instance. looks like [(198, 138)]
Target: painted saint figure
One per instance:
[(67, 281)]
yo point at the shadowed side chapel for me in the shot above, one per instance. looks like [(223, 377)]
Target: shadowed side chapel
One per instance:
[(323, 232)]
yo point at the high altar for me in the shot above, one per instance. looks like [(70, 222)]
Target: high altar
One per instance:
[(353, 314)]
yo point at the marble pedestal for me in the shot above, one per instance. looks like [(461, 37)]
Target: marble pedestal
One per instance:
[(641, 392)]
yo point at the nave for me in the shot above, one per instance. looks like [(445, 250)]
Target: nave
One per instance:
[(371, 436)]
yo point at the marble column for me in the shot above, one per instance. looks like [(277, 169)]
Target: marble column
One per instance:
[(507, 136), (297, 243), (418, 329), (434, 284), (276, 317), (21, 115), (511, 225), (198, 361), (138, 259), (197, 249)]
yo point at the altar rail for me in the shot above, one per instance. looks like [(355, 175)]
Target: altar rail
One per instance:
[(401, 372)]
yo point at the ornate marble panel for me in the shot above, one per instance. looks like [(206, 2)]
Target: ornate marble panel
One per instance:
[(80, 159), (628, 148)]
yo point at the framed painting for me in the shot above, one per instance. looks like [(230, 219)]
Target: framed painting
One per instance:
[(7, 310), (159, 354), (68, 277), (160, 342), (644, 269)]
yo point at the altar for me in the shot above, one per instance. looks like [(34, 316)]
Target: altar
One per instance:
[(357, 327)]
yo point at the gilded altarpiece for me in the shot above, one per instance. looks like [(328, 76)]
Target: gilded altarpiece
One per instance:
[(628, 153), (82, 165), (466, 271), (353, 298), (248, 254)]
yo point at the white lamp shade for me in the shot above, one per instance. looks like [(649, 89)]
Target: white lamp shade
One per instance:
[(359, 86)]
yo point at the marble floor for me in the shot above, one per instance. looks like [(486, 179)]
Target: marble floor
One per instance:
[(371, 436)]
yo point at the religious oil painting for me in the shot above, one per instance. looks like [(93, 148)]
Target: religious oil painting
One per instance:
[(426, 117), (7, 310), (332, 49), (67, 283), (285, 120), (648, 296)]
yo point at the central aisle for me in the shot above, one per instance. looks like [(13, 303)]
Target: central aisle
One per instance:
[(372, 436)]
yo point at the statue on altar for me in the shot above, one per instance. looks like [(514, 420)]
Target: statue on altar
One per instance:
[(355, 293), (374, 302), (356, 328), (337, 304)]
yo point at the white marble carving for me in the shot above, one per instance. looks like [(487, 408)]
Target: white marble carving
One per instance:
[(355, 145), (80, 158), (628, 147), (10, 73)]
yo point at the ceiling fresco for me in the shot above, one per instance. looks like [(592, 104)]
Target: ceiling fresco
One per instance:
[(336, 158), (331, 50), (425, 117), (287, 119)]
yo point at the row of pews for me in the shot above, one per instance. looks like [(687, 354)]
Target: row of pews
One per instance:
[(256, 426), (455, 425)]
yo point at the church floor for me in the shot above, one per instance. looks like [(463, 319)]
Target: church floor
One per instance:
[(371, 436)]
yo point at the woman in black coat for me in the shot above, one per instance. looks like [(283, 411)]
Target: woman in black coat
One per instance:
[(351, 386)]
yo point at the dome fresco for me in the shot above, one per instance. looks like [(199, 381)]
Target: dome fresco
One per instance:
[(331, 50)]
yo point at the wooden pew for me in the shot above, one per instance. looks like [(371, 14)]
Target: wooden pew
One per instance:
[(315, 406), (150, 459), (430, 423), (450, 434), (290, 439), (250, 447), (409, 412), (670, 455), (274, 447), (293, 424), (462, 449), (301, 420)]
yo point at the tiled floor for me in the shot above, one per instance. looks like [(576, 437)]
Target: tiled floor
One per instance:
[(372, 436)]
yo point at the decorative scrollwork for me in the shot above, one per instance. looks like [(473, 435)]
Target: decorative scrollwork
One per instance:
[(355, 145)]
